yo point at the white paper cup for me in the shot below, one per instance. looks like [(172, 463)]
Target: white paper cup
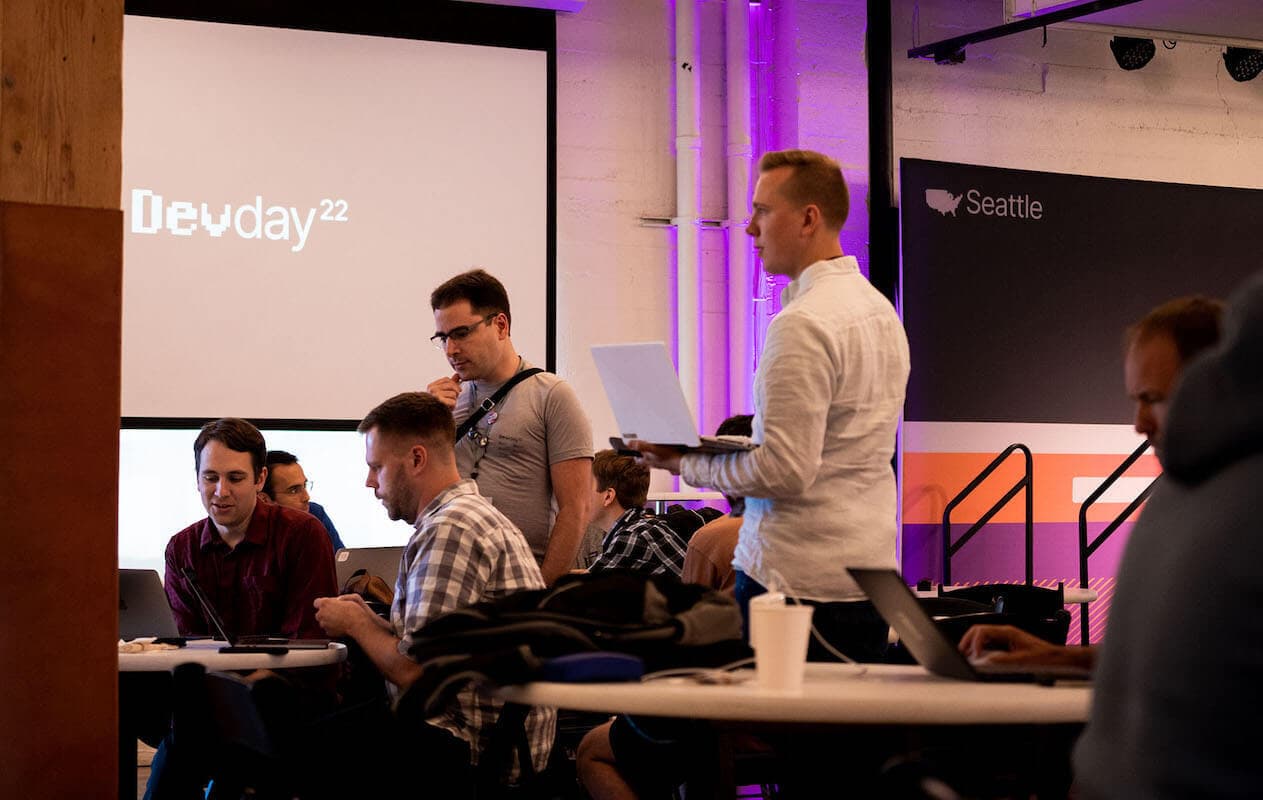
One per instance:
[(778, 634)]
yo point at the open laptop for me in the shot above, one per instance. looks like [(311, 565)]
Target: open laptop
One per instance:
[(380, 561), (142, 606), (932, 650), (648, 402), (277, 645)]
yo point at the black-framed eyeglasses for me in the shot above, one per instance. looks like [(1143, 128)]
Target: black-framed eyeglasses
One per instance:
[(460, 332)]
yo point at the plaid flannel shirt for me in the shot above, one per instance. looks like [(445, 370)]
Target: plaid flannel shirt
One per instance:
[(464, 551), (641, 542)]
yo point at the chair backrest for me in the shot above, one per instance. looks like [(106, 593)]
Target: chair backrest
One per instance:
[(686, 521), (217, 721), (939, 607), (238, 725), (1034, 609), (1013, 598), (190, 710)]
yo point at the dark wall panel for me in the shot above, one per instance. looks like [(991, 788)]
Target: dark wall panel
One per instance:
[(1017, 285)]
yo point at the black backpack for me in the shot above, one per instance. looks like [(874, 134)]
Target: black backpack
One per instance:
[(666, 623)]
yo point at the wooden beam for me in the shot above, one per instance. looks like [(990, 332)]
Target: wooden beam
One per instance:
[(61, 102), (60, 330)]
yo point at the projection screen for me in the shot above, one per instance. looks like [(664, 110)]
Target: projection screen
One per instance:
[(291, 196)]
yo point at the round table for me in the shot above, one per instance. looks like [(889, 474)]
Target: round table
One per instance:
[(199, 651), (206, 652), (882, 703), (879, 694)]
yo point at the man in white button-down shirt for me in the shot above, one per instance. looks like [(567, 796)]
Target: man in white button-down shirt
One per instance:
[(829, 390)]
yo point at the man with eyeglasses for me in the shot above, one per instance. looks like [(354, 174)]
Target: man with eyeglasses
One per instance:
[(531, 454), (287, 485), (261, 565)]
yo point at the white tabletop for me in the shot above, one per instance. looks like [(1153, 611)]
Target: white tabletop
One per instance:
[(1072, 594), (206, 652), (832, 693)]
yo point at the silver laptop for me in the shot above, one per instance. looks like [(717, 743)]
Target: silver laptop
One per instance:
[(932, 650), (647, 400), (380, 561), (142, 606)]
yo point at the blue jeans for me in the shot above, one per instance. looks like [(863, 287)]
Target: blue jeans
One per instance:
[(854, 628)]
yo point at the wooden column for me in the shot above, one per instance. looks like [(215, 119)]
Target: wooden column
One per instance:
[(60, 328)]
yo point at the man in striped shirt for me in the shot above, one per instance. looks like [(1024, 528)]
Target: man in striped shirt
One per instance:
[(634, 539), (463, 551)]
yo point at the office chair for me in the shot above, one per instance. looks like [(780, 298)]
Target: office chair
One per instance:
[(217, 718), (1012, 598), (1034, 609)]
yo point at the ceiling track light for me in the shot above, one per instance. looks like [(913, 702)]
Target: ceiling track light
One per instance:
[(1243, 63), (1132, 53)]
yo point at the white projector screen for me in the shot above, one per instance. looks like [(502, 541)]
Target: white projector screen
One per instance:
[(290, 199), (291, 196)]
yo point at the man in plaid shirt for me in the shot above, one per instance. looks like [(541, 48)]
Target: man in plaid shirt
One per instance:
[(464, 551), (634, 539)]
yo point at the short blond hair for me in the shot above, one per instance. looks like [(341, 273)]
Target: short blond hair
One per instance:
[(815, 179)]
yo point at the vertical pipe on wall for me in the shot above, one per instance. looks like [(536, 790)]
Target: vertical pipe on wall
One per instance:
[(739, 153), (883, 221), (883, 217), (688, 145), (761, 112)]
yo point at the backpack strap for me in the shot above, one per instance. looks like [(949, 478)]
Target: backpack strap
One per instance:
[(490, 402)]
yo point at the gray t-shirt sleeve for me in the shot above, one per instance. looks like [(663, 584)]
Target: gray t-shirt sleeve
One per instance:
[(569, 431)]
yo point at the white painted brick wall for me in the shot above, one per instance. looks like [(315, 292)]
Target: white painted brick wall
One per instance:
[(1066, 107), (616, 163)]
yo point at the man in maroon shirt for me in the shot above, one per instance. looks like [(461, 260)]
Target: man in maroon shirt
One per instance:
[(261, 565)]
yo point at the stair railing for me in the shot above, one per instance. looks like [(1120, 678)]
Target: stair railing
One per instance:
[(1025, 482), (1086, 548)]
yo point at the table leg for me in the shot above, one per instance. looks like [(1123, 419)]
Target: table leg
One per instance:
[(713, 776), (126, 762)]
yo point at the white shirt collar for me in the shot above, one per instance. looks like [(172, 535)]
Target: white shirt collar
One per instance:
[(838, 265)]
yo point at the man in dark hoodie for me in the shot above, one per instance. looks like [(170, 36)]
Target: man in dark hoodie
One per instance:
[(1155, 350), (1180, 678)]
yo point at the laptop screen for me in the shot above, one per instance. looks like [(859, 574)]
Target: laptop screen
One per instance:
[(644, 392)]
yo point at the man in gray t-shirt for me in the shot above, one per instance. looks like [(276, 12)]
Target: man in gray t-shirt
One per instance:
[(531, 455)]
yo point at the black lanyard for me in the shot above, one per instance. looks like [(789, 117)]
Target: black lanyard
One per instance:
[(490, 402)]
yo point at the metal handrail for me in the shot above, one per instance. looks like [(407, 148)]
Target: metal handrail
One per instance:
[(1026, 482), (1086, 549)]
